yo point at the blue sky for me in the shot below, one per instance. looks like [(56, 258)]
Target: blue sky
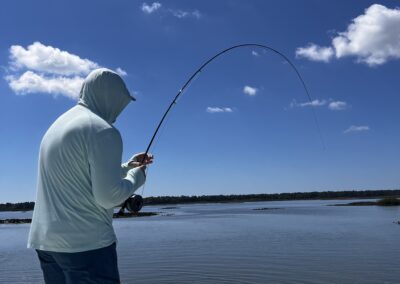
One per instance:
[(244, 125)]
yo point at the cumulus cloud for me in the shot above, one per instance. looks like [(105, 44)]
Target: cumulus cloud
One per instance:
[(31, 82), (355, 128), (49, 70), (338, 105), (148, 9), (255, 53), (42, 58), (315, 52), (251, 91), (313, 103), (218, 109), (373, 38)]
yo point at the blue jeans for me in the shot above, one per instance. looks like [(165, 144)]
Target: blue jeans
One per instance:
[(97, 266)]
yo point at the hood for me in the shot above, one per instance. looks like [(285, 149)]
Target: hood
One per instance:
[(104, 93)]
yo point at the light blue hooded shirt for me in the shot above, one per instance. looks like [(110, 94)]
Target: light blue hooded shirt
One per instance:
[(80, 176)]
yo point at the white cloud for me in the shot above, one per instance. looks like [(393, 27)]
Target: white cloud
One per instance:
[(337, 105), (31, 82), (196, 14), (373, 37), (354, 128), (46, 69), (178, 13), (255, 53), (315, 52), (121, 71), (251, 91), (42, 58), (186, 14), (313, 103), (331, 104), (148, 9), (218, 109)]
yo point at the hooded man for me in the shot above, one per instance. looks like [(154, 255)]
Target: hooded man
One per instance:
[(80, 181)]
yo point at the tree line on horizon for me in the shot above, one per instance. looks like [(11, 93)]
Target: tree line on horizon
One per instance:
[(156, 200), (270, 196), (20, 206)]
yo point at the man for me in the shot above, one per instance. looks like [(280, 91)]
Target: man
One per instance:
[(80, 181)]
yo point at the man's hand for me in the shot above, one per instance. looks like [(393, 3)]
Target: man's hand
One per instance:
[(141, 160)]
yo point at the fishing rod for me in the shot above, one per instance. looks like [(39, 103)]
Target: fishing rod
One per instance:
[(135, 202)]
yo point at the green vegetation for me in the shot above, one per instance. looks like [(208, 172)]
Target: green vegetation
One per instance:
[(266, 208), (387, 201), (22, 206), (159, 200), (134, 214), (125, 215), (270, 197), (358, 203), (15, 221)]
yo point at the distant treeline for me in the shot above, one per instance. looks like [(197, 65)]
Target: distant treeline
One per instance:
[(22, 206), (270, 197), (26, 206)]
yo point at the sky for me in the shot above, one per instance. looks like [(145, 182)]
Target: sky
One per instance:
[(245, 124)]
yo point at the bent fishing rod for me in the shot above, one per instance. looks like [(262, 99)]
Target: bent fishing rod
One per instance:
[(135, 202)]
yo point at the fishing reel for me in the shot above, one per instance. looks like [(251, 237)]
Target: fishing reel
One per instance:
[(134, 203)]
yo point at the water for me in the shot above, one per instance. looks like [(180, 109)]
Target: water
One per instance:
[(301, 242)]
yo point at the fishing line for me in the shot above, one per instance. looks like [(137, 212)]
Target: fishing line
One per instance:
[(200, 69), (155, 144)]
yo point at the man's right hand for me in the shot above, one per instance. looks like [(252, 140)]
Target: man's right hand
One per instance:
[(140, 160)]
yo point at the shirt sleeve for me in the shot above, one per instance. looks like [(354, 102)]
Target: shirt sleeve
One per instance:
[(124, 169), (109, 188)]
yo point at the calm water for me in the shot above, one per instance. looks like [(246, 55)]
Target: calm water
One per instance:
[(302, 242)]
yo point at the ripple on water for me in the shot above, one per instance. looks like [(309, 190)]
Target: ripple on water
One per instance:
[(231, 243)]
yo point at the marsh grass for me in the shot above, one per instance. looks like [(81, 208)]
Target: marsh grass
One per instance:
[(388, 201)]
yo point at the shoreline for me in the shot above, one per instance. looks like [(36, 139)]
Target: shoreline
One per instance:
[(14, 221), (383, 202), (386, 201), (239, 198)]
